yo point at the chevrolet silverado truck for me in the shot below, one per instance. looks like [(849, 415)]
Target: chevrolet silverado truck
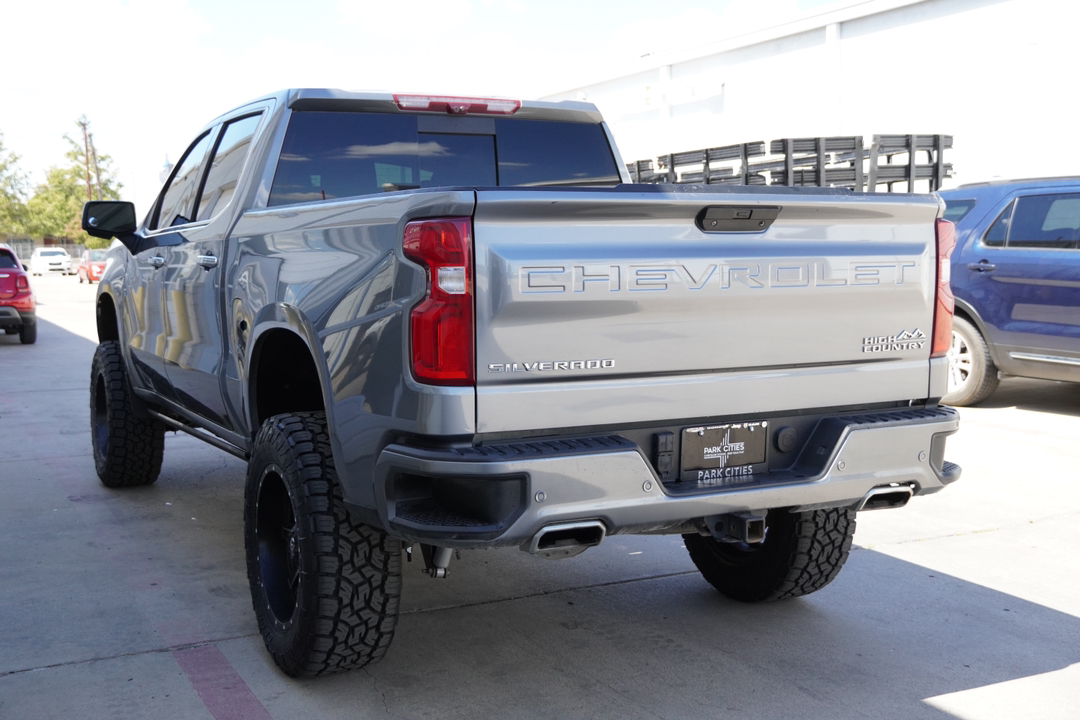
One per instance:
[(453, 323)]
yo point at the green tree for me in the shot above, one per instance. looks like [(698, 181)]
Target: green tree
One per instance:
[(56, 206), (13, 185)]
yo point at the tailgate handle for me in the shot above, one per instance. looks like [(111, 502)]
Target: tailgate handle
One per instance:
[(737, 218)]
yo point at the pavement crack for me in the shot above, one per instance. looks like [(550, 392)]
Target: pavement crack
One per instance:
[(382, 693), (543, 593), (153, 651)]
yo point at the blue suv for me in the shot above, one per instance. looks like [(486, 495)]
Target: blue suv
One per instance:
[(1016, 277)]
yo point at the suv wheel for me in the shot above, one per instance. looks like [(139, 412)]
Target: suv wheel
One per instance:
[(127, 448), (801, 553), (972, 373), (325, 589), (28, 334)]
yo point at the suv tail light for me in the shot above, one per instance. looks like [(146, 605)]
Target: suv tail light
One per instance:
[(458, 105), (442, 324), (22, 283), (944, 304)]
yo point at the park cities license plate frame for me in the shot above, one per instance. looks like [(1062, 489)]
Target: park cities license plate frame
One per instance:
[(721, 455)]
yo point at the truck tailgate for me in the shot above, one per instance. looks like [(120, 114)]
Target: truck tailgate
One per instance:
[(599, 307)]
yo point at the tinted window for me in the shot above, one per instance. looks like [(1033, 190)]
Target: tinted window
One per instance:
[(1046, 221), (536, 152), (955, 210), (7, 261), (330, 155), (995, 236), (229, 157), (179, 197)]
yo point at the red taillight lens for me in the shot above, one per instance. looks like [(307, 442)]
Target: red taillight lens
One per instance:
[(943, 307), (442, 324), (458, 105), (21, 283)]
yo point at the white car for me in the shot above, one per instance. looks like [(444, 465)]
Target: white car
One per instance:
[(46, 260)]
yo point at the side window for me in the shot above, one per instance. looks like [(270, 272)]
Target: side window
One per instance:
[(178, 200), (229, 156), (995, 236), (1046, 221)]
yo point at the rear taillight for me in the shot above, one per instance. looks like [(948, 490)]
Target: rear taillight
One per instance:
[(21, 283), (943, 307), (442, 324), (458, 105)]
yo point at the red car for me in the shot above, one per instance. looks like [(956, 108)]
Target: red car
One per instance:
[(91, 266), (18, 311)]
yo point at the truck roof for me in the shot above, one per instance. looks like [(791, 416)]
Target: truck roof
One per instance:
[(369, 101)]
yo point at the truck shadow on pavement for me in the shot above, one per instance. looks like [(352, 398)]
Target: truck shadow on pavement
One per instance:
[(1060, 398), (627, 630)]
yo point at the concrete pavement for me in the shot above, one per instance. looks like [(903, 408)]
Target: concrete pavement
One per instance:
[(134, 603)]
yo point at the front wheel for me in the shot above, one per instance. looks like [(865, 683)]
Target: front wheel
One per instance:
[(972, 373), (325, 589), (802, 553), (128, 449)]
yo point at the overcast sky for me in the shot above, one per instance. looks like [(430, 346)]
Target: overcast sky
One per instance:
[(149, 73)]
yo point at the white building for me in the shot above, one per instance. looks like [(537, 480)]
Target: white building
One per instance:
[(998, 75)]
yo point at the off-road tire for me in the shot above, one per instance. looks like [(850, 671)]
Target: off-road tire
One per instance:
[(28, 334), (802, 553), (972, 372), (325, 589), (127, 448)]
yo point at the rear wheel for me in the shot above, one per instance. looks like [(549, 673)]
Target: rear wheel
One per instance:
[(127, 449), (28, 334), (325, 589), (802, 553), (972, 373)]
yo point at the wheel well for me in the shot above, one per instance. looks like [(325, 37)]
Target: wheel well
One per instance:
[(107, 326), (284, 377)]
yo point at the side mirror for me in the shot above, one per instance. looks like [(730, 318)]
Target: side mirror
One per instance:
[(108, 219)]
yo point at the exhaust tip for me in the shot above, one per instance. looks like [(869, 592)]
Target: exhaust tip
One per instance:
[(887, 497), (567, 539)]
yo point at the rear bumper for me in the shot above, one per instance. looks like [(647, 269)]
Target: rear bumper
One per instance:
[(503, 495), (14, 317)]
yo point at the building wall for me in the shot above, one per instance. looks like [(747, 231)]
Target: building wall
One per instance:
[(998, 75)]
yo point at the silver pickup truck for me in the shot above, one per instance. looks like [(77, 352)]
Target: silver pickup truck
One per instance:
[(453, 323)]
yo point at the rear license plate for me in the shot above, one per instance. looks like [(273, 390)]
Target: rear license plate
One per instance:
[(723, 454)]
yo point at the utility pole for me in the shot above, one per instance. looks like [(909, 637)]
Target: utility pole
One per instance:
[(97, 173), (83, 122)]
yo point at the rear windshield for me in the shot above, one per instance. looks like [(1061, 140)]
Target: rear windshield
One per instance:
[(330, 155), (955, 210), (7, 261)]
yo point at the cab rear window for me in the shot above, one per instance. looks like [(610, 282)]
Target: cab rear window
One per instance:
[(328, 155)]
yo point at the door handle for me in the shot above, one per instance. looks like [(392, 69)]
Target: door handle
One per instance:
[(207, 261), (157, 261), (982, 266)]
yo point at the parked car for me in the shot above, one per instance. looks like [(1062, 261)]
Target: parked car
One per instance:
[(18, 310), (50, 260), (91, 265), (1016, 278)]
